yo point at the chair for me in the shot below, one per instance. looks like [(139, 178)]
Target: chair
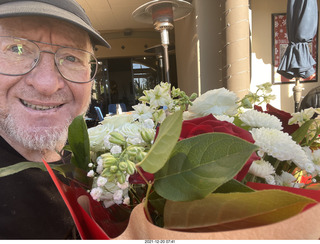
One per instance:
[(112, 108), (99, 113)]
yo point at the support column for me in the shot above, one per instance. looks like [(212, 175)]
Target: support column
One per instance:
[(236, 50)]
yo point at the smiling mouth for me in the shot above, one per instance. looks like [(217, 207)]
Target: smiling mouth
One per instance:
[(39, 107)]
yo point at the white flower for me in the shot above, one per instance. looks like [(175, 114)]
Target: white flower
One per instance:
[(90, 173), (301, 117), (188, 115), (96, 136), (101, 181), (142, 112), (116, 149), (261, 168), (217, 102), (224, 118), (159, 96), (126, 201), (279, 145), (96, 193), (270, 180), (286, 179), (117, 196), (90, 165), (123, 186), (117, 121), (99, 168), (258, 119), (130, 130), (159, 116), (148, 123), (314, 157)]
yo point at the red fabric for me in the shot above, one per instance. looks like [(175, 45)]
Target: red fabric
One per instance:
[(209, 124)]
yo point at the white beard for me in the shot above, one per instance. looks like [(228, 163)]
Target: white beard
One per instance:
[(38, 139)]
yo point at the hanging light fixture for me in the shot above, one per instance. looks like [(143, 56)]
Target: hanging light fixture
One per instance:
[(162, 14)]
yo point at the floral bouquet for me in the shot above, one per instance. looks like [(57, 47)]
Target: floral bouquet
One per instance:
[(179, 164)]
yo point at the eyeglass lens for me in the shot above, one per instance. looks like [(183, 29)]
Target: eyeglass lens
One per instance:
[(19, 56)]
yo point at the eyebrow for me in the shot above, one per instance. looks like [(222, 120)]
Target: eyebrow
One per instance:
[(52, 44)]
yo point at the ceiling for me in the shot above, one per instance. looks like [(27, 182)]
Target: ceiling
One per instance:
[(113, 15)]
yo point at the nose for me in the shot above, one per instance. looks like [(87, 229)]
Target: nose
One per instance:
[(45, 77)]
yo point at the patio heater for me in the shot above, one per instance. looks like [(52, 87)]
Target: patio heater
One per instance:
[(162, 14), (158, 50)]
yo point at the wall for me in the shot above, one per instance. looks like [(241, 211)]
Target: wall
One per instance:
[(198, 46), (262, 52)]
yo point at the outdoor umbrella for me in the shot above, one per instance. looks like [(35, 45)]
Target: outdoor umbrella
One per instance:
[(302, 25)]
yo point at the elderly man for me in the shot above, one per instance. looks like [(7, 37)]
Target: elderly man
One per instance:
[(46, 54)]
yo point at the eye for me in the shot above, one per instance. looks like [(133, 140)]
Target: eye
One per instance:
[(16, 48), (71, 58)]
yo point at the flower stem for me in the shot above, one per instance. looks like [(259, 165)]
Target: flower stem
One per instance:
[(145, 203), (149, 184)]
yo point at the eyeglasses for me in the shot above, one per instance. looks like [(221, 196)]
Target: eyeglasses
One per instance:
[(18, 56)]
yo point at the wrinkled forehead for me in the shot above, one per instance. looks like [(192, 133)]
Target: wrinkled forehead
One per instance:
[(47, 30)]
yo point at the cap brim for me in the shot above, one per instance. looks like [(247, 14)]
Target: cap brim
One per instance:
[(27, 8)]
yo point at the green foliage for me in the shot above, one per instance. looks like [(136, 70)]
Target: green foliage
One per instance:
[(79, 144), (167, 138), (200, 164), (260, 96), (219, 212), (15, 168)]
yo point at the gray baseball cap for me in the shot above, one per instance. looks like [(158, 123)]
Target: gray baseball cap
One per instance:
[(68, 10)]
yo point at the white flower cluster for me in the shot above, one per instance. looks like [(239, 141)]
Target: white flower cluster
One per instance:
[(256, 119), (303, 116), (279, 145), (109, 192), (112, 145)]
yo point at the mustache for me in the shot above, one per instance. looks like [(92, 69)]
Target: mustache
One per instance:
[(61, 96)]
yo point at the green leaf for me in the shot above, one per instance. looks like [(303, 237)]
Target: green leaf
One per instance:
[(18, 167), (233, 186), (69, 170), (78, 140), (219, 212), (167, 138), (15, 168), (200, 164), (300, 133)]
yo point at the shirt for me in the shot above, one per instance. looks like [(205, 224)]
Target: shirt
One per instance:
[(30, 205)]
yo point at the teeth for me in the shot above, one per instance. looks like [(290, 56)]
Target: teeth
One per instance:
[(38, 107)]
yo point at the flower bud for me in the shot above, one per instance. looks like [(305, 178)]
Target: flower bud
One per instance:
[(117, 138), (106, 173), (147, 135), (108, 160), (131, 167), (121, 178), (123, 166), (113, 169), (132, 151), (140, 156)]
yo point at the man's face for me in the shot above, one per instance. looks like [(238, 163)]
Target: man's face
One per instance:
[(36, 108)]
